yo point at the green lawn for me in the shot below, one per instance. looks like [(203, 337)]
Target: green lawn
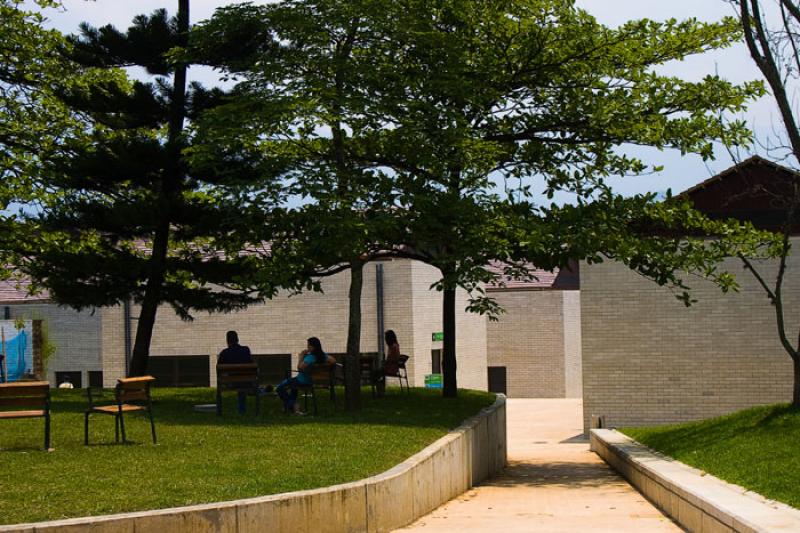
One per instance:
[(202, 458), (756, 448)]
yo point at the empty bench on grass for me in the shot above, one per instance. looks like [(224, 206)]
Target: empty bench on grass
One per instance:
[(130, 394), (35, 395), (239, 377)]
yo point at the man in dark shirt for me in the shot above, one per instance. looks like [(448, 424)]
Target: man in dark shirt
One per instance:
[(235, 353)]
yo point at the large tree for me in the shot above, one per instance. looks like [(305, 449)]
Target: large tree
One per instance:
[(33, 122), (474, 106), (772, 34), (125, 216), (526, 91), (307, 68)]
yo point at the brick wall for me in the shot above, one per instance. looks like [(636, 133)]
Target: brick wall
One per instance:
[(112, 344), (647, 359), (529, 340), (283, 324), (573, 377), (426, 308), (75, 335)]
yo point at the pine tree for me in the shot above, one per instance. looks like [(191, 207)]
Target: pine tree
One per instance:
[(129, 216)]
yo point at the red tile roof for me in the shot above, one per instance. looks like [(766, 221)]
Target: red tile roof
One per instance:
[(16, 291), (559, 279)]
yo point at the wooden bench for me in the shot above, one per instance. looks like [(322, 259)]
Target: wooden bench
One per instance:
[(239, 377), (126, 392), (322, 377), (34, 395)]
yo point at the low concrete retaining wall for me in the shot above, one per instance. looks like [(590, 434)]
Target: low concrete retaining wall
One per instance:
[(697, 501), (448, 467)]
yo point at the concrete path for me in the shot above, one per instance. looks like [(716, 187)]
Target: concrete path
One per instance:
[(552, 483)]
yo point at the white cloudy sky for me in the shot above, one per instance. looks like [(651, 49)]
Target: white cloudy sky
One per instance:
[(679, 173)]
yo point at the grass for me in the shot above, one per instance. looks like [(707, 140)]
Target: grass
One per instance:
[(203, 458), (756, 448)]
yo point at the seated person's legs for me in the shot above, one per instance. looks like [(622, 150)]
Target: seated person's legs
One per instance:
[(289, 396), (242, 402)]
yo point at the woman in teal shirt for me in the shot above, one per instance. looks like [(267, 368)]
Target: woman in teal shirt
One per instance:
[(312, 355)]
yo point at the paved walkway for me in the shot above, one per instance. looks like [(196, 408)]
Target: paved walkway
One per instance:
[(552, 483)]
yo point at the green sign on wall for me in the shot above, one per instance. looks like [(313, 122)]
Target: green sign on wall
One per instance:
[(438, 336), (433, 381)]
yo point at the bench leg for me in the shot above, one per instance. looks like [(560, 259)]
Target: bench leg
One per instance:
[(122, 428), (47, 432), (86, 429), (152, 425), (116, 429)]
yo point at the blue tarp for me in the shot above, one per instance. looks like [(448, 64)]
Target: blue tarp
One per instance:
[(15, 349)]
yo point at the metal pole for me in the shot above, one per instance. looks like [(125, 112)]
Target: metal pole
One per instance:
[(381, 388), (126, 312), (379, 294)]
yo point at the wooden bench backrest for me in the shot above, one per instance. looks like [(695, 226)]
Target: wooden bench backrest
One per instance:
[(25, 394), (237, 375), (130, 389), (321, 375)]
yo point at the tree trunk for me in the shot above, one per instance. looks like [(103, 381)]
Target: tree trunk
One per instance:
[(352, 378), (796, 391), (170, 185), (152, 297), (450, 383)]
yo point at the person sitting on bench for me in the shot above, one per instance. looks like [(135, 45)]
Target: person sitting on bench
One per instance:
[(234, 354), (312, 355)]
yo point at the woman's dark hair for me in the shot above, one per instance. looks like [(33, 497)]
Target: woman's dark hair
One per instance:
[(317, 349), (390, 337)]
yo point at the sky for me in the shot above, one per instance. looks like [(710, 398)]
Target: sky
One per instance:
[(679, 173)]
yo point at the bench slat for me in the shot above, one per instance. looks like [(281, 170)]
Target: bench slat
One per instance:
[(25, 388), (24, 402), (22, 414), (140, 382), (113, 409), (230, 379), (129, 395)]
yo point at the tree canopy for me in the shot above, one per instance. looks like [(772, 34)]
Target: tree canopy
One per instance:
[(471, 108), (122, 213)]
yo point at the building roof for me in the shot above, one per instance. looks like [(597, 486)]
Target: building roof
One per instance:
[(755, 190), (14, 291), (558, 279)]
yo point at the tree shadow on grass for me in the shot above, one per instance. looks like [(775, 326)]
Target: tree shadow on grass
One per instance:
[(420, 409)]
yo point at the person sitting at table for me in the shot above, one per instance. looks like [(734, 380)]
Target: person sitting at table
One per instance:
[(236, 354), (312, 355)]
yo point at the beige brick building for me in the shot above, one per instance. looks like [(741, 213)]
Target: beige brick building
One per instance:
[(76, 336), (536, 342), (96, 341), (535, 346), (647, 359)]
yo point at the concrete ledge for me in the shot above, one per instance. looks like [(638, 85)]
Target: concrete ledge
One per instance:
[(697, 501), (448, 467)]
